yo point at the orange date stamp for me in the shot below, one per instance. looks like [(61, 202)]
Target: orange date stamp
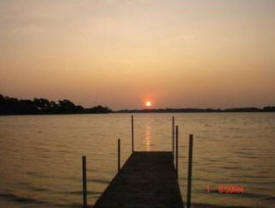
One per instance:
[(226, 189)]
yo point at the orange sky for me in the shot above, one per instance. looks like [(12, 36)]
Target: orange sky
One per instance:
[(119, 53)]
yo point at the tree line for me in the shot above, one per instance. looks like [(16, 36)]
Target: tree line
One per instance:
[(14, 106), (199, 110)]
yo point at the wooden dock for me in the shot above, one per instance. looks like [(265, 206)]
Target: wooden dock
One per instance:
[(146, 180)]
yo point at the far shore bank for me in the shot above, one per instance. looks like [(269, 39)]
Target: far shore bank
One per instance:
[(42, 106), (146, 111)]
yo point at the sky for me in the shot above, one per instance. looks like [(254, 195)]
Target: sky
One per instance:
[(122, 53)]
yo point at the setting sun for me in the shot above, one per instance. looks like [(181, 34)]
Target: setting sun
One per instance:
[(148, 103)]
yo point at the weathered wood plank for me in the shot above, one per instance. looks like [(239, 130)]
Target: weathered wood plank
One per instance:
[(147, 180)]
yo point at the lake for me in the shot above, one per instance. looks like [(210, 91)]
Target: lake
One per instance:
[(40, 156)]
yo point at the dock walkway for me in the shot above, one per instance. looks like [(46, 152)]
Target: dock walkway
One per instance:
[(146, 180)]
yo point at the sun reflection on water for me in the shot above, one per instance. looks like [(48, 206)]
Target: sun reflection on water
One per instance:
[(148, 137)]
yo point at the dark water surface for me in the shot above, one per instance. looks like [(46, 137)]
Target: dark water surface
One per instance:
[(40, 156)]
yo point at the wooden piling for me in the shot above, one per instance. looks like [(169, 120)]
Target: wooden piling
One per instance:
[(189, 185), (132, 132), (173, 134), (84, 181), (118, 155), (177, 150)]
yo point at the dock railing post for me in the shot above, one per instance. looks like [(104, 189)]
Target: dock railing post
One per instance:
[(173, 134), (177, 149), (118, 155), (189, 185), (84, 181), (132, 133)]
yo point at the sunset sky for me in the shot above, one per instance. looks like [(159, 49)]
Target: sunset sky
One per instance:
[(120, 53)]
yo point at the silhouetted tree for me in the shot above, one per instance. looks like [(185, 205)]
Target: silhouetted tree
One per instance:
[(13, 106), (99, 109), (269, 108)]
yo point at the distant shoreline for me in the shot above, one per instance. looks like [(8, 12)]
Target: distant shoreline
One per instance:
[(136, 111), (42, 106), (201, 110)]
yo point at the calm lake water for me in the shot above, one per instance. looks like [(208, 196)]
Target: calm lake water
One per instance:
[(40, 156)]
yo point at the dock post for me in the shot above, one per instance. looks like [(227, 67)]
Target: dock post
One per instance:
[(118, 155), (177, 149), (173, 134), (84, 181), (189, 185), (132, 131)]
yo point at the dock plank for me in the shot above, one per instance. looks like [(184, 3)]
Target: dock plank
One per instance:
[(147, 180)]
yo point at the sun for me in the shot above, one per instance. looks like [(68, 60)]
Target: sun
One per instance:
[(148, 103)]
